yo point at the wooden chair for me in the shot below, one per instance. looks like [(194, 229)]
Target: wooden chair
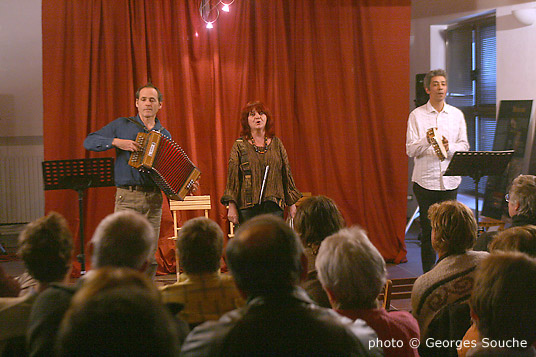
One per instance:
[(231, 230), (396, 289), (486, 223), (190, 203), (303, 198)]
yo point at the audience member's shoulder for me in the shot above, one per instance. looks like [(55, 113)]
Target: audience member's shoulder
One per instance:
[(54, 295), (172, 293), (483, 240), (359, 328), (9, 302), (227, 278), (207, 338), (406, 319), (366, 335), (57, 289), (420, 282), (478, 255), (400, 315)]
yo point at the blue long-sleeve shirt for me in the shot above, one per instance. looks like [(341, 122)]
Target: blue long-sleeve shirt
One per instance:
[(123, 128)]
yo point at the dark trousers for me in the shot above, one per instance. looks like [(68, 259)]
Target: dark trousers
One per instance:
[(426, 198), (265, 207)]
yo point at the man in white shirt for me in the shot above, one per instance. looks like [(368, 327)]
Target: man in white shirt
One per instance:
[(429, 184)]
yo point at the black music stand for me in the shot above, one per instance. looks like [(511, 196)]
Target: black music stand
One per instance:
[(79, 175), (477, 164)]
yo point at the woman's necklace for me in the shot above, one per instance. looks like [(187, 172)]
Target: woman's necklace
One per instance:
[(260, 149)]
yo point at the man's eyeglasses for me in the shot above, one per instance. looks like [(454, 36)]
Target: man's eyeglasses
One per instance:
[(507, 197)]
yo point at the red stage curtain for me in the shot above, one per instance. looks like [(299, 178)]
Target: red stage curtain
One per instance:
[(334, 73)]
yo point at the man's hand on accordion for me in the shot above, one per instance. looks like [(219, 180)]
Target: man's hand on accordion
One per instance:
[(127, 145)]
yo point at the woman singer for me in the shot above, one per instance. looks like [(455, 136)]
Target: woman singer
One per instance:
[(259, 179)]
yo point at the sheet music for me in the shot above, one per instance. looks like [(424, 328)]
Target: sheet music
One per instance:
[(263, 183)]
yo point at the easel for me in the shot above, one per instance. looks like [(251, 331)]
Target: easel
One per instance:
[(79, 175), (477, 164)]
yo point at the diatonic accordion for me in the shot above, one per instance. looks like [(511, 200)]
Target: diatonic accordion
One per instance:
[(166, 162)]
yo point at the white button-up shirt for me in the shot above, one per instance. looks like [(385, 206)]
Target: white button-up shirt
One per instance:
[(428, 170)]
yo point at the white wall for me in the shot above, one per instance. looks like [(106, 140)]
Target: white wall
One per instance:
[(516, 56), (21, 111), (21, 98), (516, 47)]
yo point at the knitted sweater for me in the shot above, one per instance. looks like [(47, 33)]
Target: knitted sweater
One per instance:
[(451, 280)]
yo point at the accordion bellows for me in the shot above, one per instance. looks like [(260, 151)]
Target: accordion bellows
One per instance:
[(166, 162)]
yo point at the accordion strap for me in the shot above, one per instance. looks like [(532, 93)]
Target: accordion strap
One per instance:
[(246, 169), (137, 123), (142, 126)]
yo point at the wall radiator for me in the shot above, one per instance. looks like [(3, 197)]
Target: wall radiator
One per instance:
[(22, 198)]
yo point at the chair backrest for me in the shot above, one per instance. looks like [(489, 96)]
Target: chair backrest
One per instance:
[(190, 203), (396, 289), (232, 226), (485, 223), (305, 195)]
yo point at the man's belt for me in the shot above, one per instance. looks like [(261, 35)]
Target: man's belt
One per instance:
[(141, 188)]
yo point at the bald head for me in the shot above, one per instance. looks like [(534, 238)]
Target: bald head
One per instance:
[(265, 256), (122, 239)]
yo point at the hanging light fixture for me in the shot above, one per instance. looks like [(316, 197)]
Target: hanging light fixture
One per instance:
[(226, 5), (209, 13), (209, 10)]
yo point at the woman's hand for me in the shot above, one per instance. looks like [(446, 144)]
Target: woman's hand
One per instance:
[(292, 211), (232, 213)]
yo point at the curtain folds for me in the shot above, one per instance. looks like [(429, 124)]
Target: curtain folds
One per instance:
[(334, 73)]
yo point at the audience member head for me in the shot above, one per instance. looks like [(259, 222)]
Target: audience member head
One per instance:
[(116, 313), (9, 287), (200, 246), (317, 217), (266, 256), (522, 196), (123, 239), (502, 302), (260, 108), (516, 239), (454, 227), (351, 269), (433, 73), (45, 246)]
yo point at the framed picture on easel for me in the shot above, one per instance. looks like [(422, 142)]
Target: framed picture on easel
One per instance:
[(511, 133)]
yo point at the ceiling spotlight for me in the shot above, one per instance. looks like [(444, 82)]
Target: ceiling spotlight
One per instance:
[(225, 8), (209, 25)]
